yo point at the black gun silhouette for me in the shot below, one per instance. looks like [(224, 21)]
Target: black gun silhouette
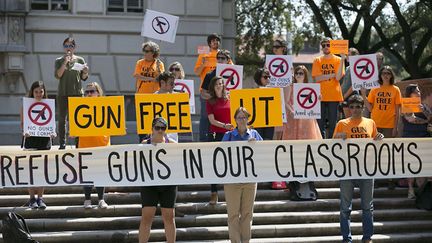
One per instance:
[(363, 67), (41, 112), (307, 96), (229, 79), (280, 66)]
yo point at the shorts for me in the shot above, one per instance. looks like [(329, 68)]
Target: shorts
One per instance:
[(165, 196)]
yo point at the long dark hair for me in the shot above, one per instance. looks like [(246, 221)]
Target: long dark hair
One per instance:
[(212, 91), (389, 69), (35, 85)]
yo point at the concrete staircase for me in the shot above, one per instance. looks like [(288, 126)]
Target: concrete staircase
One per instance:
[(276, 219)]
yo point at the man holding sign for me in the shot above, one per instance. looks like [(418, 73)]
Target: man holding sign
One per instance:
[(327, 70)]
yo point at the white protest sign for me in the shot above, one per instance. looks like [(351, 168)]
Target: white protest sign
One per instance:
[(78, 66), (218, 162), (280, 68), (233, 75), (306, 101), (203, 49), (39, 117), (186, 86), (364, 71), (160, 26)]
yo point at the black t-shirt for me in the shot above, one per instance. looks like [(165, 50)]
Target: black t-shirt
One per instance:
[(38, 143), (207, 78)]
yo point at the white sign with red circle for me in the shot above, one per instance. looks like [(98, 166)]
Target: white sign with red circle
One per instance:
[(307, 104), (186, 86), (160, 26), (38, 117), (280, 68), (364, 71), (232, 74)]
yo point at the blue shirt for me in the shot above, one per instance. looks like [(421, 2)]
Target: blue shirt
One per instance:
[(234, 135)]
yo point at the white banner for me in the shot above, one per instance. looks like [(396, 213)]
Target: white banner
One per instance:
[(160, 26), (233, 75), (281, 69), (39, 117), (364, 71), (307, 104), (186, 86), (218, 162)]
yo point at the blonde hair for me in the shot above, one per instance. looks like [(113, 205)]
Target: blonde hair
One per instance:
[(97, 87), (178, 64)]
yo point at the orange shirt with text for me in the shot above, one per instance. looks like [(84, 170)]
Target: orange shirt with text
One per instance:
[(356, 128), (150, 69), (384, 101), (330, 88)]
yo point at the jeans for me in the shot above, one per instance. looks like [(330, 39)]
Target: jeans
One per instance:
[(329, 112), (346, 195), (204, 122)]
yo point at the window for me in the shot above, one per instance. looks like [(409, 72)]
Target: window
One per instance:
[(50, 5), (124, 6)]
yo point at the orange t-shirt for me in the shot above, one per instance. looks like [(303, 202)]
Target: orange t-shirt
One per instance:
[(93, 141), (356, 128), (384, 101), (330, 88), (211, 63), (150, 69)]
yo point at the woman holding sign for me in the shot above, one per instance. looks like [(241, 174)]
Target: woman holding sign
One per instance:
[(415, 125), (148, 68), (151, 196), (240, 197), (94, 90), (38, 92), (219, 115)]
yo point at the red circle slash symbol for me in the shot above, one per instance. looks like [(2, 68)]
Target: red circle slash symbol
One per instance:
[(181, 88), (364, 68), (160, 25), (37, 113), (307, 95), (278, 69), (232, 78)]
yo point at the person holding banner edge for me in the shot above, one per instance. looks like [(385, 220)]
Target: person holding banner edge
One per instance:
[(38, 92), (240, 197), (151, 196), (219, 115), (327, 70), (94, 90), (69, 77), (356, 126)]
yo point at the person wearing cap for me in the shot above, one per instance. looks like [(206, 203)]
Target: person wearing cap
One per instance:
[(151, 196), (327, 70)]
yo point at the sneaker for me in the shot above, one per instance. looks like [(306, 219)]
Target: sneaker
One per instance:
[(87, 204), (102, 204), (33, 204), (41, 204), (411, 194), (213, 198)]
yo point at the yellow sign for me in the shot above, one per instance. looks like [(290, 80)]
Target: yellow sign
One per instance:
[(339, 47), (173, 107), (97, 116), (411, 105), (264, 105)]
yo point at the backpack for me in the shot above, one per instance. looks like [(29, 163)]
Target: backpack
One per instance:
[(15, 229), (424, 196), (303, 191)]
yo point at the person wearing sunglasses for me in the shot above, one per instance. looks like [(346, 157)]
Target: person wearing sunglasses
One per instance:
[(70, 77), (354, 127), (94, 90), (240, 197), (151, 196), (148, 68), (177, 69), (262, 79), (327, 70)]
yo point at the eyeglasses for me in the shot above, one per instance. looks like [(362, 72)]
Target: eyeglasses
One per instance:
[(147, 50), (242, 118), (299, 73), (277, 47), (265, 77), (221, 58), (174, 69), (325, 45), (66, 46), (90, 91), (158, 128), (356, 107)]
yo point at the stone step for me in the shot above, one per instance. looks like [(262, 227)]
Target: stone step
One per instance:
[(183, 196), (122, 222), (204, 208), (282, 231)]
